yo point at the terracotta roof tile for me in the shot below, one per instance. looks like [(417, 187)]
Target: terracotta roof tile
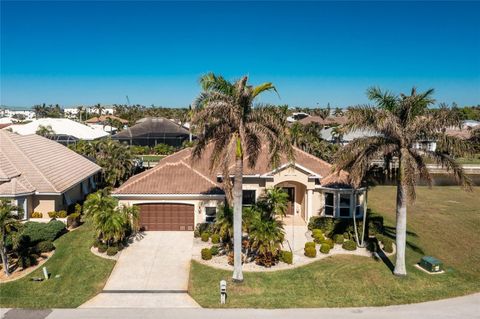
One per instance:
[(46, 165)]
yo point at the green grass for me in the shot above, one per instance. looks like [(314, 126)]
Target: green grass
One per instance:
[(443, 223), (82, 276), (151, 158)]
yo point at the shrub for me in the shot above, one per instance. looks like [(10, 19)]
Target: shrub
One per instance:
[(37, 215), (73, 220), (96, 242), (338, 239), (27, 259), (329, 242), (37, 232), (380, 237), (205, 236), (206, 254), (325, 224), (61, 214), (200, 228), (325, 248), (317, 233), (214, 250), (374, 224), (310, 252), (387, 245), (286, 256), (163, 149), (310, 244), (102, 247), (349, 245), (112, 251), (44, 246), (52, 214), (215, 239)]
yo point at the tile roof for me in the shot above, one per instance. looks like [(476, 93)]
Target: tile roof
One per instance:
[(178, 174), (60, 127), (152, 126), (35, 163), (330, 120), (103, 118)]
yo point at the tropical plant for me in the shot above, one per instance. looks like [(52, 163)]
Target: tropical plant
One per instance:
[(224, 115), (338, 112), (115, 158), (224, 225), (273, 202), (309, 139), (98, 109), (110, 221), (402, 120), (9, 223), (45, 131), (266, 237)]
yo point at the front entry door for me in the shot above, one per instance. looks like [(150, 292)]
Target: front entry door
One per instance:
[(291, 199)]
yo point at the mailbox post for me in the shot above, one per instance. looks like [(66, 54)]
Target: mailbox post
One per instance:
[(223, 291)]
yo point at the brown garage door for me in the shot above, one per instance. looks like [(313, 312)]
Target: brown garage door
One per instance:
[(166, 217)]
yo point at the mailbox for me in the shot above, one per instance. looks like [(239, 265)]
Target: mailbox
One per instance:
[(223, 291)]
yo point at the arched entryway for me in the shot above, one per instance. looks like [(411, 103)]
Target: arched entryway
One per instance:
[(297, 204)]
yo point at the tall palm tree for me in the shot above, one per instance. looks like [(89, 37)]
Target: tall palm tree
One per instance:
[(99, 109), (402, 120), (226, 117), (9, 222)]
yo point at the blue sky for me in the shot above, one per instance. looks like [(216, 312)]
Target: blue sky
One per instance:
[(315, 52)]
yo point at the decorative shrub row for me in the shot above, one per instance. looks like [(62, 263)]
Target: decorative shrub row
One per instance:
[(205, 236), (215, 238), (338, 239), (59, 214), (206, 254), (36, 215), (215, 250), (331, 226), (310, 252), (325, 248), (34, 232)]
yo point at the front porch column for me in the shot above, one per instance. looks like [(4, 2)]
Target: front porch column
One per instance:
[(309, 204)]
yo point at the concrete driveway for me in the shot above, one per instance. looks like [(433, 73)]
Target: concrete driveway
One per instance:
[(151, 272)]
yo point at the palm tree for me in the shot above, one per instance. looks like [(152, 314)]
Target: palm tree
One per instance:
[(338, 133), (9, 222), (45, 131), (99, 109), (224, 225), (401, 121), (273, 202), (338, 112), (226, 117), (266, 237), (79, 112)]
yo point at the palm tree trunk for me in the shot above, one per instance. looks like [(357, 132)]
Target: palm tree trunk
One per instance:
[(237, 220), (3, 255), (401, 229)]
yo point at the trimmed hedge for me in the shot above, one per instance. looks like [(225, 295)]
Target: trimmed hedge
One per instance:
[(37, 232), (349, 245), (338, 239), (286, 256), (36, 215), (325, 248), (310, 244), (205, 236), (44, 246), (329, 242), (310, 252), (215, 238), (206, 254)]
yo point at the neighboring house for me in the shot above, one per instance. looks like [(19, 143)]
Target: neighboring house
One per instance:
[(331, 136), (27, 114), (327, 122), (152, 131), (178, 194), (296, 116), (65, 131), (41, 175), (103, 119)]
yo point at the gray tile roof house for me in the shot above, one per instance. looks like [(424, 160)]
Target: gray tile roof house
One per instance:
[(42, 175)]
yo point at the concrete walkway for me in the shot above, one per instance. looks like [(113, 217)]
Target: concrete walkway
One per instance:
[(151, 272), (463, 307)]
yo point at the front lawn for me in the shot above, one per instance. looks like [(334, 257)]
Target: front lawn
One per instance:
[(82, 276), (443, 223)]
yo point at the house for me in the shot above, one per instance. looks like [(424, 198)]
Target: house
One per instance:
[(152, 131), (177, 194), (327, 122), (296, 116), (64, 131), (41, 175), (104, 119)]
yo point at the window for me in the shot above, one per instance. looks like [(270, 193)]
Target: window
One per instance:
[(249, 197), (85, 188), (344, 210), (329, 204), (210, 214), (358, 204)]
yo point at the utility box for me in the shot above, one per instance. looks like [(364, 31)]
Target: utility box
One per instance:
[(431, 264)]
